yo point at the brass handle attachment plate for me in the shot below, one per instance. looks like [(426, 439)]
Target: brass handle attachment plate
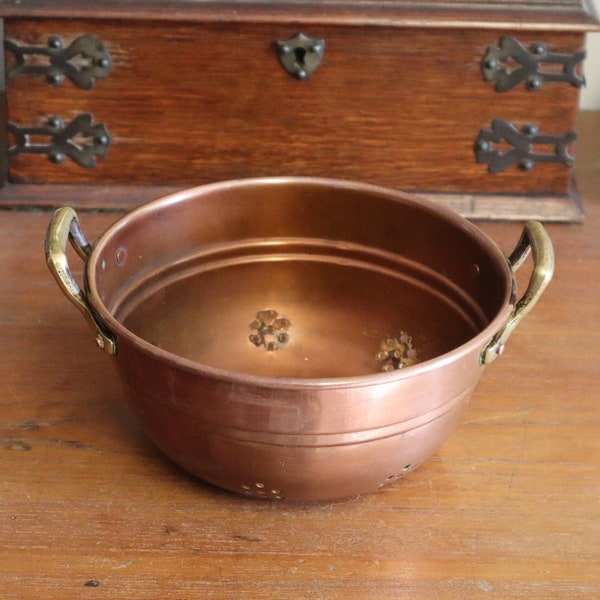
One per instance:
[(64, 227), (535, 239)]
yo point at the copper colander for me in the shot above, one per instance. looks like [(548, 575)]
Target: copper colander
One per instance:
[(294, 337)]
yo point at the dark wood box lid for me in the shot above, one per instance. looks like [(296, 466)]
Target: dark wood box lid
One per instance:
[(571, 15)]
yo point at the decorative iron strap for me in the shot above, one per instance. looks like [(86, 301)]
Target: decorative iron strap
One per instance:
[(82, 62), (498, 65), (521, 147), (81, 140)]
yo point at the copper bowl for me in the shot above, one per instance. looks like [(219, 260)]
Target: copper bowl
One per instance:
[(297, 338)]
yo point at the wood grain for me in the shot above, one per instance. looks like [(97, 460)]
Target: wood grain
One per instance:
[(508, 508), (190, 103)]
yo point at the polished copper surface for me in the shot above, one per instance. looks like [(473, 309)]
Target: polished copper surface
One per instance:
[(250, 320)]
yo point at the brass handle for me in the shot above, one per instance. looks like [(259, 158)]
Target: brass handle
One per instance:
[(63, 227), (535, 239)]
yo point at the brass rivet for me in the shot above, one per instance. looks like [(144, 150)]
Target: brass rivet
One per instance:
[(538, 48), (55, 78), (526, 164), (531, 129), (56, 157), (55, 42), (55, 122)]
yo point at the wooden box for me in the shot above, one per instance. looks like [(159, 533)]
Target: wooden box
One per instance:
[(470, 103)]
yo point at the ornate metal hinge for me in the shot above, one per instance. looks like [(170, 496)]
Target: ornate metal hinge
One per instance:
[(510, 63), (82, 62), (81, 140), (521, 145), (300, 55)]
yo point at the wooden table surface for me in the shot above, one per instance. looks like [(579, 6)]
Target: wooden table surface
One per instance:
[(508, 508)]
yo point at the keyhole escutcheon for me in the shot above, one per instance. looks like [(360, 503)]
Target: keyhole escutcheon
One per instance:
[(300, 55)]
